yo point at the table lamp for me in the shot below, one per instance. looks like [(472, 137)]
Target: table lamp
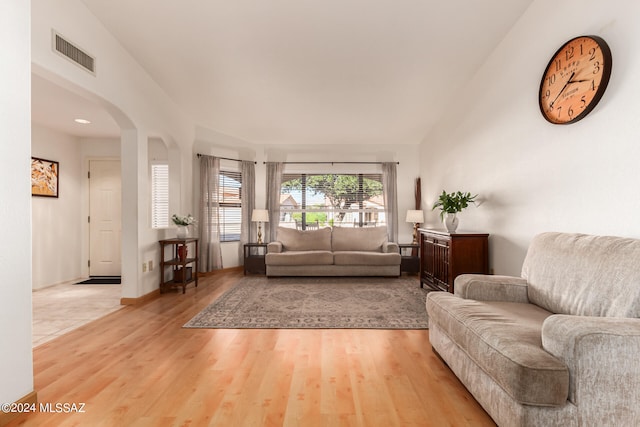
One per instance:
[(260, 216), (416, 217)]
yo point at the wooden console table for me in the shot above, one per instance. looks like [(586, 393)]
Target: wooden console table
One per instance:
[(184, 268), (444, 256)]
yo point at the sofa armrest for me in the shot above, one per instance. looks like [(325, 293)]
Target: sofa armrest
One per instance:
[(274, 247), (390, 247), (484, 287), (602, 356)]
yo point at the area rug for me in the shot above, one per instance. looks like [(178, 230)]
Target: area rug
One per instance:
[(318, 303), (100, 280)]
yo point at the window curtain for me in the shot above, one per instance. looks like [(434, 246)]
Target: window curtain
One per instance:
[(248, 201), (274, 181), (390, 191), (210, 252)]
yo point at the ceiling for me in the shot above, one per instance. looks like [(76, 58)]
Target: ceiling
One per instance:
[(57, 108), (299, 71)]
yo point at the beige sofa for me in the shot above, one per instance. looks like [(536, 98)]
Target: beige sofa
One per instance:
[(333, 252), (559, 346)]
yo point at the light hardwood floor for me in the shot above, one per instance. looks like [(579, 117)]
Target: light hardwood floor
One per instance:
[(139, 367)]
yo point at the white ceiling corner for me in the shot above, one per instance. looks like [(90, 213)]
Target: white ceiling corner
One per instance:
[(309, 72)]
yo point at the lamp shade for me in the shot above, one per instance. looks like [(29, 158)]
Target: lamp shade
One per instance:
[(260, 215), (415, 216)]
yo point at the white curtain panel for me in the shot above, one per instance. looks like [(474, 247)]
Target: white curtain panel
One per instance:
[(210, 251), (274, 180), (248, 233), (390, 191)]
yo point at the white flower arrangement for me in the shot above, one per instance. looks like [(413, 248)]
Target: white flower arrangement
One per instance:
[(183, 220)]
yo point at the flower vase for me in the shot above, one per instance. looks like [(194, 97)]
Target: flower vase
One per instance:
[(182, 232), (182, 252), (451, 222)]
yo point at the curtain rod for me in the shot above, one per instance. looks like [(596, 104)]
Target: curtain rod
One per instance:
[(223, 158), (333, 163)]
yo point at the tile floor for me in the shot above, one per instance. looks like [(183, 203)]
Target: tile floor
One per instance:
[(62, 308)]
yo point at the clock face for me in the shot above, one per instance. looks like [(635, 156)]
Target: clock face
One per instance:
[(575, 79)]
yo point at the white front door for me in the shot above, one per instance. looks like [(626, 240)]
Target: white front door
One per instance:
[(105, 223)]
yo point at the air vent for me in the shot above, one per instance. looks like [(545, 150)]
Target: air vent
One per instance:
[(73, 53)]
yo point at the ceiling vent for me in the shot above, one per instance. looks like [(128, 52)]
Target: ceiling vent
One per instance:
[(74, 53)]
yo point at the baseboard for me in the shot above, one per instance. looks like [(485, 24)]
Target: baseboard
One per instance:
[(222, 270), (139, 300), (156, 293), (30, 399)]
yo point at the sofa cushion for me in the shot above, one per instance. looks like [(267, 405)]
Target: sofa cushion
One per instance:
[(366, 258), (300, 258), (358, 239), (504, 340), (305, 240), (584, 275)]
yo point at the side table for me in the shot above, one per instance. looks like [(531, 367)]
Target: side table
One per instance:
[(254, 254), (410, 262), (183, 263)]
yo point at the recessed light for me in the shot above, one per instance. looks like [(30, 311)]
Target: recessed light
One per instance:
[(82, 121)]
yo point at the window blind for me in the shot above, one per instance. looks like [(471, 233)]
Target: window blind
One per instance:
[(159, 195), (337, 200), (229, 198)]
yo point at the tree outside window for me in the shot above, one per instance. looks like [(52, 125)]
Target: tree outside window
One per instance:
[(340, 200)]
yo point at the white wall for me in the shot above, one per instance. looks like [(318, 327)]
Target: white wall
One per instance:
[(224, 146), (405, 154), (57, 222), (60, 229), (105, 148), (533, 176), (138, 105), (16, 360)]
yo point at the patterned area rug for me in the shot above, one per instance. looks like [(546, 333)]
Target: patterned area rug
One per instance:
[(318, 303)]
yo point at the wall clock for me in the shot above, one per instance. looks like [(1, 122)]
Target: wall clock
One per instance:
[(575, 79)]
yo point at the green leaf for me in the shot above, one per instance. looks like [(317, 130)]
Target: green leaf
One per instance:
[(453, 202)]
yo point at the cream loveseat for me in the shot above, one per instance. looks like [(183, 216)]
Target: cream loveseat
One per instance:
[(333, 252), (559, 346)]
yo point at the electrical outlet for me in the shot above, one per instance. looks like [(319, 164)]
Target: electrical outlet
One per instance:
[(144, 267), (151, 265)]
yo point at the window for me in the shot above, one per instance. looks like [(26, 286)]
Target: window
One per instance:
[(159, 195), (229, 198), (337, 200)]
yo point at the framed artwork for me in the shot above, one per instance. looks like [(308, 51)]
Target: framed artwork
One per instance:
[(44, 177)]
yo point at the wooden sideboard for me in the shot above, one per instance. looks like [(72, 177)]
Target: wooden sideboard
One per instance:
[(444, 256)]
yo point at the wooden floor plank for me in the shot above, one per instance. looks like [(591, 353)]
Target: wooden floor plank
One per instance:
[(139, 367)]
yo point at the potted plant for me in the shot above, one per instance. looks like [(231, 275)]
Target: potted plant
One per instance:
[(450, 204)]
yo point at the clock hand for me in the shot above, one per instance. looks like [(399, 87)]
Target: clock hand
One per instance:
[(562, 90)]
